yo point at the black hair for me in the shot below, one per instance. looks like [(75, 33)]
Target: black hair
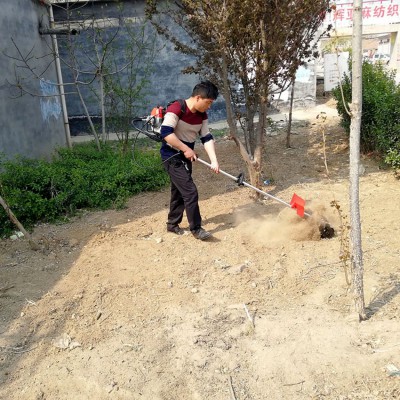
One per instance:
[(206, 90)]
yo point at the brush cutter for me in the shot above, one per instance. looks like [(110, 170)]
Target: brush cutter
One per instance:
[(296, 202), (150, 130)]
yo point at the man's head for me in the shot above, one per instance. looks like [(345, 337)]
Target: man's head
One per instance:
[(204, 93), (206, 90)]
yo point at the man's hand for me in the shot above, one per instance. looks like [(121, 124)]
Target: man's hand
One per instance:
[(177, 144), (190, 154), (215, 167)]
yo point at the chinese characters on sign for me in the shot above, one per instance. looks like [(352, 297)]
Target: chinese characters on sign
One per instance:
[(375, 12)]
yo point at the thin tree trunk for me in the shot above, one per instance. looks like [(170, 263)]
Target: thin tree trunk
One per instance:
[(259, 147), (233, 133), (255, 178), (89, 118), (18, 224), (231, 119), (356, 108), (103, 111), (75, 70), (226, 93), (289, 128)]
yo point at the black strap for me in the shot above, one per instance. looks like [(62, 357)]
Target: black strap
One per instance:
[(182, 103)]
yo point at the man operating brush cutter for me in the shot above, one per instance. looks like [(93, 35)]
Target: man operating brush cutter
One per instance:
[(183, 122)]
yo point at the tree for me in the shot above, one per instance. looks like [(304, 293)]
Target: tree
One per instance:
[(125, 92), (110, 55), (17, 223), (355, 126), (92, 62), (256, 45)]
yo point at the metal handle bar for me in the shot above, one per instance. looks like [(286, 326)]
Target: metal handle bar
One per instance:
[(250, 186)]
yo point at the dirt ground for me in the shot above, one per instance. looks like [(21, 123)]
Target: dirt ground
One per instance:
[(114, 307)]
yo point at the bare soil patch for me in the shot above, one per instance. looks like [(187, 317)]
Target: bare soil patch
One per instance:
[(114, 307)]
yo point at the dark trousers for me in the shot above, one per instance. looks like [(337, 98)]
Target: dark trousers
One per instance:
[(184, 195)]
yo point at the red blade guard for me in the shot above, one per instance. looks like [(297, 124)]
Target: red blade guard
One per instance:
[(298, 203)]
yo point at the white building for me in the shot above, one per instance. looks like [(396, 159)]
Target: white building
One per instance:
[(381, 22)]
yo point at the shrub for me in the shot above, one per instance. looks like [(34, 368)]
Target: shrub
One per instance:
[(380, 121), (393, 158), (42, 191)]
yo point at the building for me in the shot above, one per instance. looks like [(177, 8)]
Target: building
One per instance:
[(31, 111), (381, 30)]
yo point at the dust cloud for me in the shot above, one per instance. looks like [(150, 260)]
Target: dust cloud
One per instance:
[(287, 225)]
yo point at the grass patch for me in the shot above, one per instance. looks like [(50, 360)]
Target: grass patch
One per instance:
[(81, 178)]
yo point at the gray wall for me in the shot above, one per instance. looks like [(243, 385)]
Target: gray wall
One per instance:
[(29, 125), (167, 80), (305, 89)]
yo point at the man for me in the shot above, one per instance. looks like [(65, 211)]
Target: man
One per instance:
[(181, 125)]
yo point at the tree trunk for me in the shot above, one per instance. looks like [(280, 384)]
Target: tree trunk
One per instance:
[(233, 133), (89, 118), (103, 111), (255, 177), (355, 109), (18, 224), (74, 70), (232, 121), (228, 101), (289, 127)]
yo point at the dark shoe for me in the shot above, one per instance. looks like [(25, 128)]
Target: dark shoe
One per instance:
[(176, 229), (201, 234)]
